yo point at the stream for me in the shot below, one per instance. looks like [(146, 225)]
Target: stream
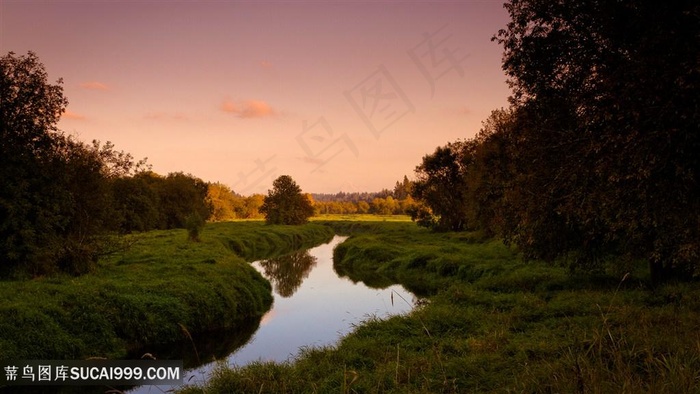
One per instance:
[(313, 307)]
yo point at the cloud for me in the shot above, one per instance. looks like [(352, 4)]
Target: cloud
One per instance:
[(264, 64), (94, 85), (72, 115), (248, 109)]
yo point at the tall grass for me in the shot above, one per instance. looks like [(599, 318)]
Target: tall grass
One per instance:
[(492, 323)]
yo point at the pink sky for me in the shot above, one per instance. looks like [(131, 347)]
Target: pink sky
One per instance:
[(340, 95)]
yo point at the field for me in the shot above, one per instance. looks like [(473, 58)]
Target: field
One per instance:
[(491, 322), (164, 288), (361, 218)]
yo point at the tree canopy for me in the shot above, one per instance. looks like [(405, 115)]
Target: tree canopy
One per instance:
[(285, 204)]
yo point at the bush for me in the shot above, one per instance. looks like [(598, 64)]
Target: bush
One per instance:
[(194, 223)]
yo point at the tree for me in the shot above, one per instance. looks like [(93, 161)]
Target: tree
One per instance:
[(402, 190), (224, 202), (380, 206), (251, 206), (607, 96), (441, 187), (285, 204), (30, 207), (363, 207), (136, 202), (491, 176), (182, 195)]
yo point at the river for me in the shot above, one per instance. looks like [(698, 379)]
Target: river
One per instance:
[(313, 306)]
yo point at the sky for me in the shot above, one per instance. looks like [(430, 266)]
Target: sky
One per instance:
[(340, 95)]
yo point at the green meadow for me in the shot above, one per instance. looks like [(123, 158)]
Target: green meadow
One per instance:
[(490, 322), (162, 289), (359, 217)]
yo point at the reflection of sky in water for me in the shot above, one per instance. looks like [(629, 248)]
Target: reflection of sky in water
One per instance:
[(324, 308)]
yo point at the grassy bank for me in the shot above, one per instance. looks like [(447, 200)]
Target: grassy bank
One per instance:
[(160, 290), (493, 323)]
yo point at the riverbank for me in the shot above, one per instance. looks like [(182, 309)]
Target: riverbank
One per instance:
[(492, 323), (162, 289)]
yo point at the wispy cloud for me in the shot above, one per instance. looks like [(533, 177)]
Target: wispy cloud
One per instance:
[(264, 64), (94, 85), (248, 109), (72, 115)]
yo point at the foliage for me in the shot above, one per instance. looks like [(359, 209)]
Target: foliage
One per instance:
[(194, 223), (227, 205), (180, 195), (593, 158), (607, 96), (137, 202), (29, 110), (386, 202), (55, 200), (440, 185), (223, 201), (285, 204)]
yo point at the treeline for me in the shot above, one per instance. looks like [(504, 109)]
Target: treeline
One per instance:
[(386, 202), (597, 156), (228, 205)]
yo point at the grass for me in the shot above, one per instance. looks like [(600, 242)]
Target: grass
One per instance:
[(160, 290), (492, 323), (358, 217)]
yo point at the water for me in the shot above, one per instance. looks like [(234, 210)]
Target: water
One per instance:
[(313, 306)]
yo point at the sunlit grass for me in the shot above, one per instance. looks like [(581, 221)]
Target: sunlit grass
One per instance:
[(361, 217)]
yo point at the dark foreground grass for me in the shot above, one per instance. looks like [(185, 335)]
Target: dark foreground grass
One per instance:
[(160, 290), (492, 323)]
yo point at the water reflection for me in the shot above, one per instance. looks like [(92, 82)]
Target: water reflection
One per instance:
[(288, 272), (313, 306), (201, 348), (374, 281)]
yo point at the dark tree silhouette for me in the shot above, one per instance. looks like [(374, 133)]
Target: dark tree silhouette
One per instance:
[(607, 95)]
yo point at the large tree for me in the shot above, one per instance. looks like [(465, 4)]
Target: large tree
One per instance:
[(441, 188), (55, 200), (607, 93), (30, 200), (56, 193), (285, 204)]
